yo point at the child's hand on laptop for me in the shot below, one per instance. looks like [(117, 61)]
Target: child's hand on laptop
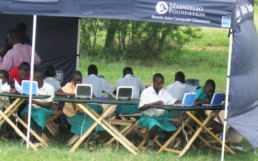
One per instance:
[(12, 90)]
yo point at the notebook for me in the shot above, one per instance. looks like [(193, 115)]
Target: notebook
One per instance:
[(217, 99), (124, 93), (193, 82), (26, 87), (188, 100), (83, 91)]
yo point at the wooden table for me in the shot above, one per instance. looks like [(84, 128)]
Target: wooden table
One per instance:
[(100, 119), (10, 111), (191, 115)]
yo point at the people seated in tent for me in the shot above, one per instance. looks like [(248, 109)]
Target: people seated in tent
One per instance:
[(153, 118), (50, 77), (19, 73), (178, 89), (98, 84), (79, 121), (19, 52), (129, 80), (41, 108), (204, 96)]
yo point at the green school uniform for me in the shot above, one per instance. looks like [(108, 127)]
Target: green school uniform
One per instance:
[(39, 116), (201, 96), (81, 122), (126, 109)]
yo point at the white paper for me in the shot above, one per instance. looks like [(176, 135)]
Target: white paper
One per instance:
[(17, 86)]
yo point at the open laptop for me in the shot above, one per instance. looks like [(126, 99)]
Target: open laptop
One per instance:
[(188, 100), (83, 91), (124, 93), (193, 82), (217, 99), (26, 87)]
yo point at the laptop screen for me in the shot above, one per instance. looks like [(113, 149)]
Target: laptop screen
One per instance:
[(83, 91), (124, 93), (217, 99), (26, 87), (193, 82), (189, 99)]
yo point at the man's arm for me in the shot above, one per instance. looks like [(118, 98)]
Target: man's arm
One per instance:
[(147, 106), (60, 92), (43, 104)]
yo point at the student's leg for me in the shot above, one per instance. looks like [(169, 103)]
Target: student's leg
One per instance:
[(25, 119), (152, 132)]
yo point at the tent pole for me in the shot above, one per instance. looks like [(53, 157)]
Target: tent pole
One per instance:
[(227, 93), (31, 75), (78, 44)]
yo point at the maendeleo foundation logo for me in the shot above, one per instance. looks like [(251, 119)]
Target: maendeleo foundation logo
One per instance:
[(162, 7)]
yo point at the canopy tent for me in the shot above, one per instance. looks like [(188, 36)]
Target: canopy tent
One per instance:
[(236, 15)]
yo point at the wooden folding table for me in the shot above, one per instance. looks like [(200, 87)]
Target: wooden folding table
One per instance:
[(10, 111), (191, 113), (100, 119)]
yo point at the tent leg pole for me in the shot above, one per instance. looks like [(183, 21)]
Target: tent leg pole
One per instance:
[(227, 93), (31, 75), (78, 45)]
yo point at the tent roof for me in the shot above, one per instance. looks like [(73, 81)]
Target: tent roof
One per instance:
[(212, 13)]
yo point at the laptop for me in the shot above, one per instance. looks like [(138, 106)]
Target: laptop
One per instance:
[(216, 100), (193, 82), (26, 87), (0, 85), (83, 91), (124, 93), (188, 100)]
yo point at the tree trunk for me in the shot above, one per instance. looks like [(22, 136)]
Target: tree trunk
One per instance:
[(111, 31)]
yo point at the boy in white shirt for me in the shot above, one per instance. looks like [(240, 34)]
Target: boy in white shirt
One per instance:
[(153, 118), (98, 84), (138, 87), (41, 108)]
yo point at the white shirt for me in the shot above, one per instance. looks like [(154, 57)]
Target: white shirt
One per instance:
[(5, 87), (55, 83), (178, 89), (135, 82), (98, 84), (149, 96), (46, 89)]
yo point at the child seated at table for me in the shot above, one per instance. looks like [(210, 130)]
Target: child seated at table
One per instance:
[(41, 109), (129, 80), (50, 77), (153, 118), (204, 96), (79, 121)]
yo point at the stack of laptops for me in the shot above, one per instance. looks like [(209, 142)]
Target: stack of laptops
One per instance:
[(188, 100), (83, 91), (217, 99), (26, 87), (124, 93)]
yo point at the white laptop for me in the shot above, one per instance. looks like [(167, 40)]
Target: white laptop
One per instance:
[(188, 100), (216, 100), (83, 91), (26, 87), (124, 93)]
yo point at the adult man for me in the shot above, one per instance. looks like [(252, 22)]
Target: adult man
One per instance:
[(18, 54), (138, 87), (153, 118), (98, 84)]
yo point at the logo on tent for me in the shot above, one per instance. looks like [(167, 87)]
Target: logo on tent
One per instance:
[(162, 7)]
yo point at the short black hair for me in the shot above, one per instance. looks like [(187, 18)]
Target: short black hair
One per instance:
[(127, 70), (180, 76), (210, 83), (77, 73), (5, 74), (92, 69), (51, 71), (39, 74), (24, 66), (158, 76), (21, 27), (14, 34)]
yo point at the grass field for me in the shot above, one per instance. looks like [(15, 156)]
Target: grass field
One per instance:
[(204, 58)]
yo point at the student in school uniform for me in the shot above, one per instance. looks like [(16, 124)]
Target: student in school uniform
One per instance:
[(79, 121), (129, 80), (98, 84), (178, 89), (204, 96), (153, 118), (41, 109), (50, 77)]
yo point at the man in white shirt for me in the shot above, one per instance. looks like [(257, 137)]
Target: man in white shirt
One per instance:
[(153, 118), (179, 88), (98, 84), (138, 87), (50, 77), (41, 108)]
